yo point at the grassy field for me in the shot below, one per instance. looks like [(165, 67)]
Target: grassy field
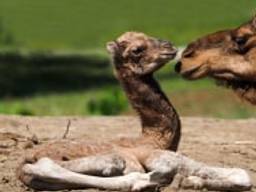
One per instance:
[(198, 98), (86, 24), (86, 87)]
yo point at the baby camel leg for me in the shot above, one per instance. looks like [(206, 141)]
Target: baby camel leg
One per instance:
[(219, 184), (104, 165), (167, 165), (48, 175), (164, 166), (219, 179), (100, 165)]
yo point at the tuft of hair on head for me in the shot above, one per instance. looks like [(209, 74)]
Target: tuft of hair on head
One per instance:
[(253, 21), (130, 35)]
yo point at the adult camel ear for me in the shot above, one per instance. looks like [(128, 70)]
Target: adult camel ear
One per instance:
[(112, 47)]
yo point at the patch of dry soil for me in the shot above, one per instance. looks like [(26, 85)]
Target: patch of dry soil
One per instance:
[(228, 143)]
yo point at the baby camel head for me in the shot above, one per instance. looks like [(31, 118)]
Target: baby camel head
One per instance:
[(135, 53), (228, 56), (224, 55)]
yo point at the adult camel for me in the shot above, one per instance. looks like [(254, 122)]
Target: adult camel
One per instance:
[(229, 56)]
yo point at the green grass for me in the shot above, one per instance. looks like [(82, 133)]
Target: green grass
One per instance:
[(54, 104), (87, 24), (84, 26), (198, 98)]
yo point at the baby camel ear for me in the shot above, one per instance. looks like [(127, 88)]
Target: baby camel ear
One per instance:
[(112, 47), (253, 22)]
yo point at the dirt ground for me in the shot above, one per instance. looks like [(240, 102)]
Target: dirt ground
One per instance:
[(228, 143)]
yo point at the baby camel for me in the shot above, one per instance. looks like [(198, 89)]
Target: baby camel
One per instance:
[(228, 56), (135, 57)]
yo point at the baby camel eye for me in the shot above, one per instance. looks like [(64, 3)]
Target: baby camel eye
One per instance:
[(138, 50)]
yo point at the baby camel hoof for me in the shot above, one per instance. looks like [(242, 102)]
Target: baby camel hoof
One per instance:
[(142, 182), (41, 168), (192, 182), (240, 179)]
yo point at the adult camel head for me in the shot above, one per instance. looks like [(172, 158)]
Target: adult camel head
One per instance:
[(229, 56)]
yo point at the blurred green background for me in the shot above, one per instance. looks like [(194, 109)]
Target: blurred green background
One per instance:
[(53, 59)]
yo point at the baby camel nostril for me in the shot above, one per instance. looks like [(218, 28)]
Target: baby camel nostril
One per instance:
[(166, 43), (178, 67)]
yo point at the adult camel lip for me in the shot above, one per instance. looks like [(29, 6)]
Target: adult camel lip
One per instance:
[(189, 72)]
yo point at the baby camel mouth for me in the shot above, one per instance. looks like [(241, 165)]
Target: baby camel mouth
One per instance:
[(169, 54)]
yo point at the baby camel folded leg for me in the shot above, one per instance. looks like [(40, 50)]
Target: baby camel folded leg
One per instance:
[(166, 165), (100, 165), (163, 167), (48, 175)]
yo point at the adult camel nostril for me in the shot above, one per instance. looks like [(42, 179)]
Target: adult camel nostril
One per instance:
[(177, 67), (188, 53)]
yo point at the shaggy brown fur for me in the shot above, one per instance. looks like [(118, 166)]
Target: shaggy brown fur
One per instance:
[(135, 57), (244, 89), (228, 56)]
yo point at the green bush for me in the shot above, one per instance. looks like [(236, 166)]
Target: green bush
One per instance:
[(16, 109), (24, 112), (6, 37), (112, 103)]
